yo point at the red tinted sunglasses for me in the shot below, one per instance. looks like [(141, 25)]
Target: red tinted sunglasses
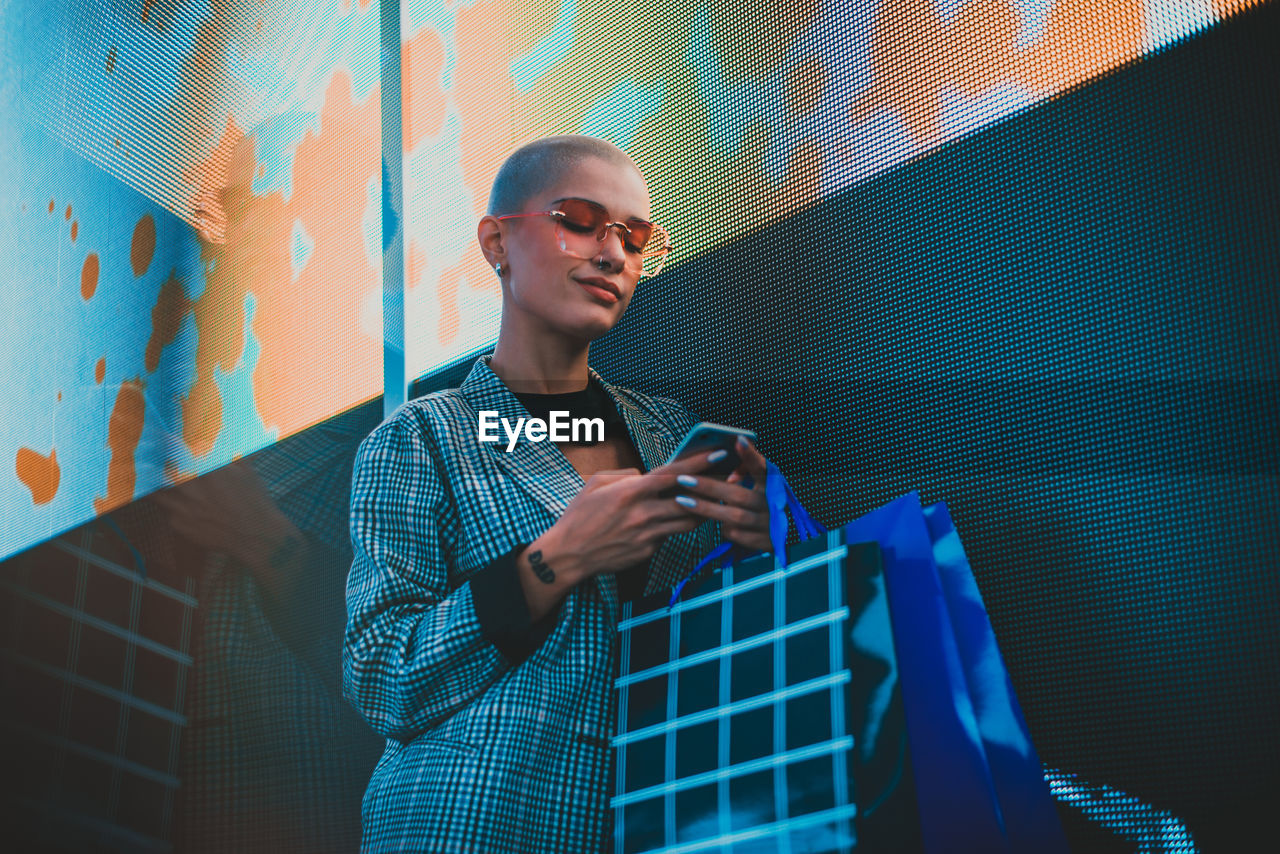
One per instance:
[(582, 225)]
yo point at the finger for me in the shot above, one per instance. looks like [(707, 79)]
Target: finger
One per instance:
[(604, 476), (664, 476), (714, 489), (662, 509), (677, 526), (752, 460), (739, 517)]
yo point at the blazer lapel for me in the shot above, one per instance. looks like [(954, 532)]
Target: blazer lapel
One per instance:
[(655, 443), (652, 439)]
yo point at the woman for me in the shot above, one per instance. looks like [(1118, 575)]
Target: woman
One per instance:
[(483, 596)]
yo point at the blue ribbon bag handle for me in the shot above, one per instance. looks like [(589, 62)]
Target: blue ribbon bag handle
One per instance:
[(780, 498)]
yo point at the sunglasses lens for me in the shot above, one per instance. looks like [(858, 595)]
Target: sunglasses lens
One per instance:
[(580, 227), (585, 224), (583, 217), (638, 240)]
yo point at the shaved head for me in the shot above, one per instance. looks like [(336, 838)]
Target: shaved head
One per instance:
[(543, 163)]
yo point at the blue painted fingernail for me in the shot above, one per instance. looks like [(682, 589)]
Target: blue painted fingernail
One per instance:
[(717, 456), (687, 480), (685, 501)]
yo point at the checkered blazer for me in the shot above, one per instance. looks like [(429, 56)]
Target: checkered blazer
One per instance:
[(483, 755)]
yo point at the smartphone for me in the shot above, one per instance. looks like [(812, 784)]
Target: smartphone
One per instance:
[(705, 437)]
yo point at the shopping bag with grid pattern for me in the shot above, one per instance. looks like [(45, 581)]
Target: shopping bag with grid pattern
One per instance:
[(845, 692), (760, 711)]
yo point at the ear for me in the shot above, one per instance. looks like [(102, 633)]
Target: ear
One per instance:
[(490, 235)]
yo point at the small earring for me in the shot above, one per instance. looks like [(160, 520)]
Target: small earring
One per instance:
[(497, 268)]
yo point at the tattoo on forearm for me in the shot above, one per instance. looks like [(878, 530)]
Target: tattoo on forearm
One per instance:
[(540, 569)]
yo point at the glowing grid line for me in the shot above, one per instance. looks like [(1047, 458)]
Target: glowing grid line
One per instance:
[(835, 616), (780, 792), (762, 831), (832, 746), (730, 590), (839, 774), (723, 815), (664, 831), (620, 757), (727, 708), (669, 764)]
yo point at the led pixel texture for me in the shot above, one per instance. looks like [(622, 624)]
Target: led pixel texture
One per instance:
[(1064, 325)]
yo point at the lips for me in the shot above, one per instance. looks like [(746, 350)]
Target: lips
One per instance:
[(602, 289)]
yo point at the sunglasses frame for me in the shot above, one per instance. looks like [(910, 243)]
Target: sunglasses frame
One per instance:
[(603, 231)]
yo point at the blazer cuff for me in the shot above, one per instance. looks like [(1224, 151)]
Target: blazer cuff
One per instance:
[(503, 612)]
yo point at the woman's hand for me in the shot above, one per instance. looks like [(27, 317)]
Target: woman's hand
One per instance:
[(741, 510), (619, 519)]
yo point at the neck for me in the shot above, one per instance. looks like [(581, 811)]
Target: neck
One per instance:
[(542, 365)]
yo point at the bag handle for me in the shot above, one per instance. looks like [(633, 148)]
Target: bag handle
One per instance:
[(781, 498)]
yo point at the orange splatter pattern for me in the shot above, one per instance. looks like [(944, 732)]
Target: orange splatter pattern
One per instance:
[(1223, 8), (917, 54), (210, 176), (175, 475), (298, 323), (89, 275), (422, 61), (39, 474), (143, 247), (747, 58), (486, 43), (124, 431), (171, 307), (100, 370), (805, 83), (75, 230)]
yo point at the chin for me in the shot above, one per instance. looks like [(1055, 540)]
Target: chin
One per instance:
[(590, 328)]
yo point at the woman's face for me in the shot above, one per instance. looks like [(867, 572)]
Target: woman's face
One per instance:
[(558, 293)]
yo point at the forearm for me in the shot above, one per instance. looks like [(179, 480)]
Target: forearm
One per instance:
[(548, 569)]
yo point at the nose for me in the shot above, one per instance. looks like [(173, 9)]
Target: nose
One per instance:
[(611, 249)]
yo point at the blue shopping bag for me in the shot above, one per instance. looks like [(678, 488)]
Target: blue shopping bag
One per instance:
[(979, 783), (1025, 803)]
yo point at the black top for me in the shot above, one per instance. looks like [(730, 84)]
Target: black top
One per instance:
[(594, 401), (499, 599)]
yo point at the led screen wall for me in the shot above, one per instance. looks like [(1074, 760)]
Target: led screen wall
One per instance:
[(190, 216), (1018, 256), (193, 204), (1064, 325), (737, 113)]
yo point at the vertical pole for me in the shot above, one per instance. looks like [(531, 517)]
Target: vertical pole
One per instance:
[(394, 383)]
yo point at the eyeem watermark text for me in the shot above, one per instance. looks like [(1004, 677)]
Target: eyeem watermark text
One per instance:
[(537, 430)]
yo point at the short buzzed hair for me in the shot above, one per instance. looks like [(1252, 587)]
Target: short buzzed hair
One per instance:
[(544, 162)]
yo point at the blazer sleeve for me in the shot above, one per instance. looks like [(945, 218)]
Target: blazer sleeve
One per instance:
[(414, 651)]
